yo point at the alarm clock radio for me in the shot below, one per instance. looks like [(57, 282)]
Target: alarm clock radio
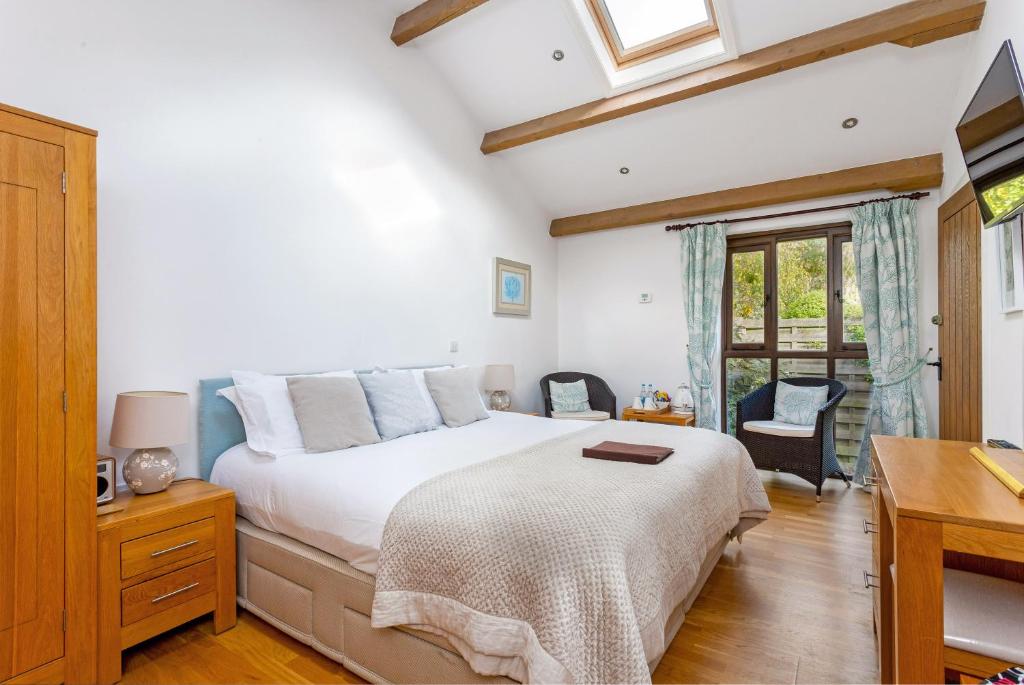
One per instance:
[(106, 480)]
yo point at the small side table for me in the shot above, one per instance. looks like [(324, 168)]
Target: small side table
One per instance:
[(669, 418), (164, 559)]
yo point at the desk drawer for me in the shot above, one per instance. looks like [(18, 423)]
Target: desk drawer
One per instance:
[(159, 594), (166, 547)]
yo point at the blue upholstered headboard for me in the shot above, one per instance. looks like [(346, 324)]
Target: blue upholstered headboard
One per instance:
[(220, 426)]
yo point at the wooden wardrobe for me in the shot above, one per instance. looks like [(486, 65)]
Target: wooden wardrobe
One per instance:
[(47, 400)]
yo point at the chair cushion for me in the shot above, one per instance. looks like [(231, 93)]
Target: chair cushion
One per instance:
[(790, 430), (983, 615), (590, 415), (569, 396), (799, 404)]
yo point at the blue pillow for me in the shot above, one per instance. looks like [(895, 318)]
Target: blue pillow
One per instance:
[(397, 405), (569, 396), (798, 404)]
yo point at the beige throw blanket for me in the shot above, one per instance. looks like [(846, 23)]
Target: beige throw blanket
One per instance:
[(547, 567)]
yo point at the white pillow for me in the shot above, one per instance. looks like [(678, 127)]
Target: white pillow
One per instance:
[(230, 393), (435, 415), (271, 428)]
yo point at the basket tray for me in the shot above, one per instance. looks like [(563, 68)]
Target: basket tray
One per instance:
[(650, 412)]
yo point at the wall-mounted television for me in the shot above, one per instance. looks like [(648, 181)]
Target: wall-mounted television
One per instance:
[(991, 135)]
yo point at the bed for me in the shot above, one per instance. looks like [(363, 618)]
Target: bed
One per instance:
[(311, 529)]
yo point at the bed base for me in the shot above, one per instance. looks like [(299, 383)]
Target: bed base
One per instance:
[(323, 602)]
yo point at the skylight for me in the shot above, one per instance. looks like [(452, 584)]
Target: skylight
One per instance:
[(641, 21), (638, 30)]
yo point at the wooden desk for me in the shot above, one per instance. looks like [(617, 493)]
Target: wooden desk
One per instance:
[(670, 418), (930, 496)]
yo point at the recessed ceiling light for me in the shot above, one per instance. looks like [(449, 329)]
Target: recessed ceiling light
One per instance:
[(624, 170), (851, 122), (558, 55)]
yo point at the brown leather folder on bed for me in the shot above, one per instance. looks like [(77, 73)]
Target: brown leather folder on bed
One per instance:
[(624, 451)]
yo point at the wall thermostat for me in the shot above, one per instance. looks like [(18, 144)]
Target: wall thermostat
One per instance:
[(645, 298)]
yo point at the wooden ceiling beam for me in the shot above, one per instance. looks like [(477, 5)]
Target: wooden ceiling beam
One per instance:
[(916, 173), (941, 33), (912, 23), (428, 16)]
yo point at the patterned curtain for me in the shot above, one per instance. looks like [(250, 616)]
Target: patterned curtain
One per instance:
[(703, 257), (885, 250)]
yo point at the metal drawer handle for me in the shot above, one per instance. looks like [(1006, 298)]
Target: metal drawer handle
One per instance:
[(175, 592), (870, 580), (870, 527), (870, 480), (175, 548)]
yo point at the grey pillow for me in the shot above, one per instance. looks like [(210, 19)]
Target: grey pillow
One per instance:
[(397, 405), (456, 396), (332, 413)]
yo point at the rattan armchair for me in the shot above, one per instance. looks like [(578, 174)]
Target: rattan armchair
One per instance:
[(811, 458), (601, 396)]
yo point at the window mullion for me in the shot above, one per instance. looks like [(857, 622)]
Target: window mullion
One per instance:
[(771, 324)]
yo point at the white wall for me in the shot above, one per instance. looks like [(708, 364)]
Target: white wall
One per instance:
[(1002, 334), (280, 188), (604, 329)]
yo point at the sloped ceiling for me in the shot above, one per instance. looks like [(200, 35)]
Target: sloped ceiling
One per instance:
[(498, 61)]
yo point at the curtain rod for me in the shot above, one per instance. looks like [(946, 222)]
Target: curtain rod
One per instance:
[(909, 196)]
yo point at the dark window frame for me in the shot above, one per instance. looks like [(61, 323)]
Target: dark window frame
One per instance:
[(836, 234)]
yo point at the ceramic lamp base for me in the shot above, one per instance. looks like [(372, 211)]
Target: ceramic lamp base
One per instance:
[(500, 400), (150, 470)]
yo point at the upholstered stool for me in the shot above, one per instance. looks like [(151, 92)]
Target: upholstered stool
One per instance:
[(984, 629)]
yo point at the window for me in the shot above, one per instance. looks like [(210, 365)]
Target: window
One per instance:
[(638, 30), (792, 308)]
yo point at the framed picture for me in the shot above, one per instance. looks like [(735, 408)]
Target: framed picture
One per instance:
[(1010, 246), (511, 287)]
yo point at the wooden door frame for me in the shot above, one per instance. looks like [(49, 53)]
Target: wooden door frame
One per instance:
[(959, 201), (78, 665)]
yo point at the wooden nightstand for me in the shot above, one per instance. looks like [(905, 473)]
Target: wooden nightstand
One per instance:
[(671, 418), (164, 559)]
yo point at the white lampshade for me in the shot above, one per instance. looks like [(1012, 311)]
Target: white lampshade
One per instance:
[(150, 418), (499, 377)]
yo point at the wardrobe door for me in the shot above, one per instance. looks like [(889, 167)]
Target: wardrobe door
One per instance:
[(31, 404)]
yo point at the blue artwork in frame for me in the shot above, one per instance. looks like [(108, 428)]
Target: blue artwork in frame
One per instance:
[(511, 287)]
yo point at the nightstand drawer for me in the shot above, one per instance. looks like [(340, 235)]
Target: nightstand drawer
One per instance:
[(159, 594), (166, 547)]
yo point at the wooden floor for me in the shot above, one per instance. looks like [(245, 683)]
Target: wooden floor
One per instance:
[(788, 605)]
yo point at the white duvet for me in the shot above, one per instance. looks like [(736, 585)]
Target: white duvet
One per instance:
[(339, 501)]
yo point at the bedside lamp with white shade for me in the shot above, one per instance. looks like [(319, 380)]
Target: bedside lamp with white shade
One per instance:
[(500, 379), (149, 421)]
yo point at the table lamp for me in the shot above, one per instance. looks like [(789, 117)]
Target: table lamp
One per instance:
[(148, 421), (499, 379)]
